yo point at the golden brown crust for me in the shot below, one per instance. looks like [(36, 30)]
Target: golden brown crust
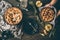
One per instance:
[(47, 14), (13, 15)]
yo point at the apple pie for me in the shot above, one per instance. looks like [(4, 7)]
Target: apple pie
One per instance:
[(47, 14), (13, 15)]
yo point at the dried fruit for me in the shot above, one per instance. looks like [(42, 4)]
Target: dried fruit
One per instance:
[(38, 3), (48, 27)]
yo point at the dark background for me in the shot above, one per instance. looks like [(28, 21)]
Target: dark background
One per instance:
[(37, 36)]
